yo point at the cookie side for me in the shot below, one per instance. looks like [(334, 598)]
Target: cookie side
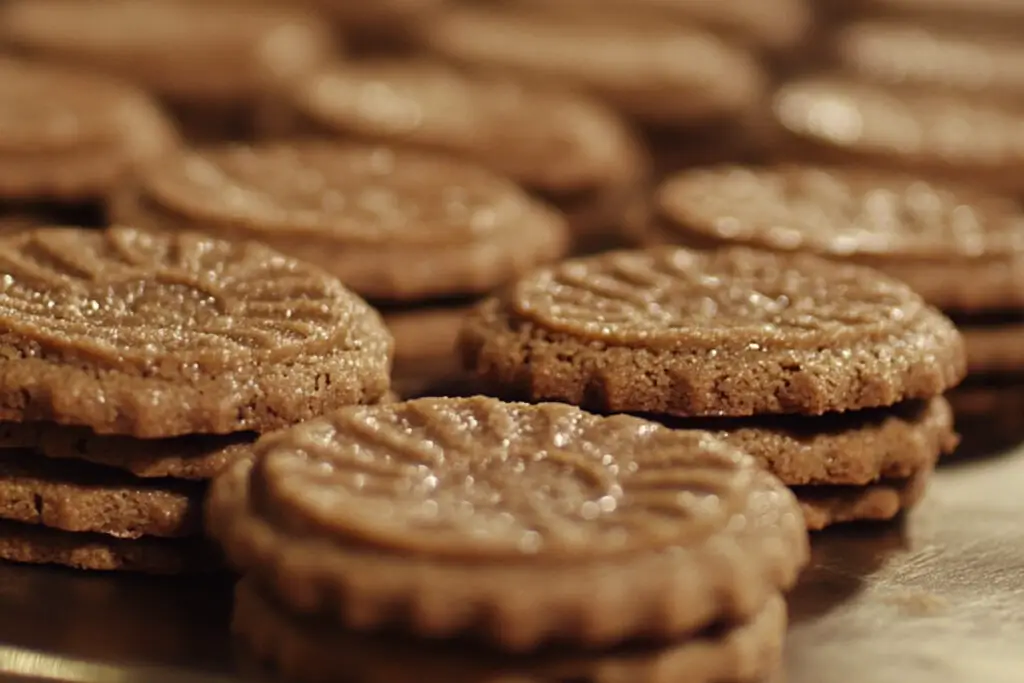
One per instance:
[(307, 650), (824, 506)]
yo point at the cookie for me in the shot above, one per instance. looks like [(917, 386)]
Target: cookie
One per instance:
[(436, 515), (195, 458), (932, 235), (80, 497), (157, 336), (988, 412), (776, 25), (657, 72), (205, 59), (33, 544), (824, 506), (912, 54), (562, 146), (994, 345), (394, 225), (735, 332), (836, 119), (72, 137), (425, 346), (310, 650), (851, 449)]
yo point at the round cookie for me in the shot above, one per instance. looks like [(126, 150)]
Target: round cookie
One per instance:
[(218, 60), (83, 498), (33, 544), (616, 527), (71, 136), (156, 336), (560, 145), (308, 650), (773, 24), (735, 332), (193, 457), (392, 224), (657, 72), (934, 236), (836, 119), (847, 449), (908, 53), (824, 506)]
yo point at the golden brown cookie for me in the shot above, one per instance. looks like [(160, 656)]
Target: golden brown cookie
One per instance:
[(33, 544), (82, 497), (836, 119), (156, 336), (658, 72), (736, 332), (73, 137), (392, 224), (932, 235), (194, 457), (318, 652), (437, 515), (563, 146), (215, 63), (915, 54), (842, 449), (824, 506)]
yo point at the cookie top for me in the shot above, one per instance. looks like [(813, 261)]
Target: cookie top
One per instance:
[(391, 224), (840, 119), (546, 139), (73, 135), (773, 24), (730, 332), (655, 71), (914, 229), (476, 487), (161, 335), (913, 54), (221, 51)]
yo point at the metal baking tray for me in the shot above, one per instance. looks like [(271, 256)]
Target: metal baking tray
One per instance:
[(935, 598)]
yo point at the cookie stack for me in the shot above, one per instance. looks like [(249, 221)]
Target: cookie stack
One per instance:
[(518, 525), (697, 96), (830, 374), (218, 66), (418, 234), (563, 147), (960, 248), (134, 367), (70, 138)]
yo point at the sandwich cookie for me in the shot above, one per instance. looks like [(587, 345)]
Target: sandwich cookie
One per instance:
[(521, 525), (137, 366), (418, 234), (835, 368)]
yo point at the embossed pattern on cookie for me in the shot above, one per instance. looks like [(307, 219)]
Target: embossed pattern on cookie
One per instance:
[(424, 514), (160, 335)]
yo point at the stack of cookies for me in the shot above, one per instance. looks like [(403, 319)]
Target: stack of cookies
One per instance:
[(134, 367), (218, 65), (70, 138), (961, 249), (421, 235), (830, 374), (562, 146), (518, 525), (697, 96)]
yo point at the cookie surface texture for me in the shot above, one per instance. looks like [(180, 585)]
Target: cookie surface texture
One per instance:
[(735, 332), (155, 336), (881, 501), (931, 235), (314, 652), (424, 515), (391, 224), (73, 136)]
